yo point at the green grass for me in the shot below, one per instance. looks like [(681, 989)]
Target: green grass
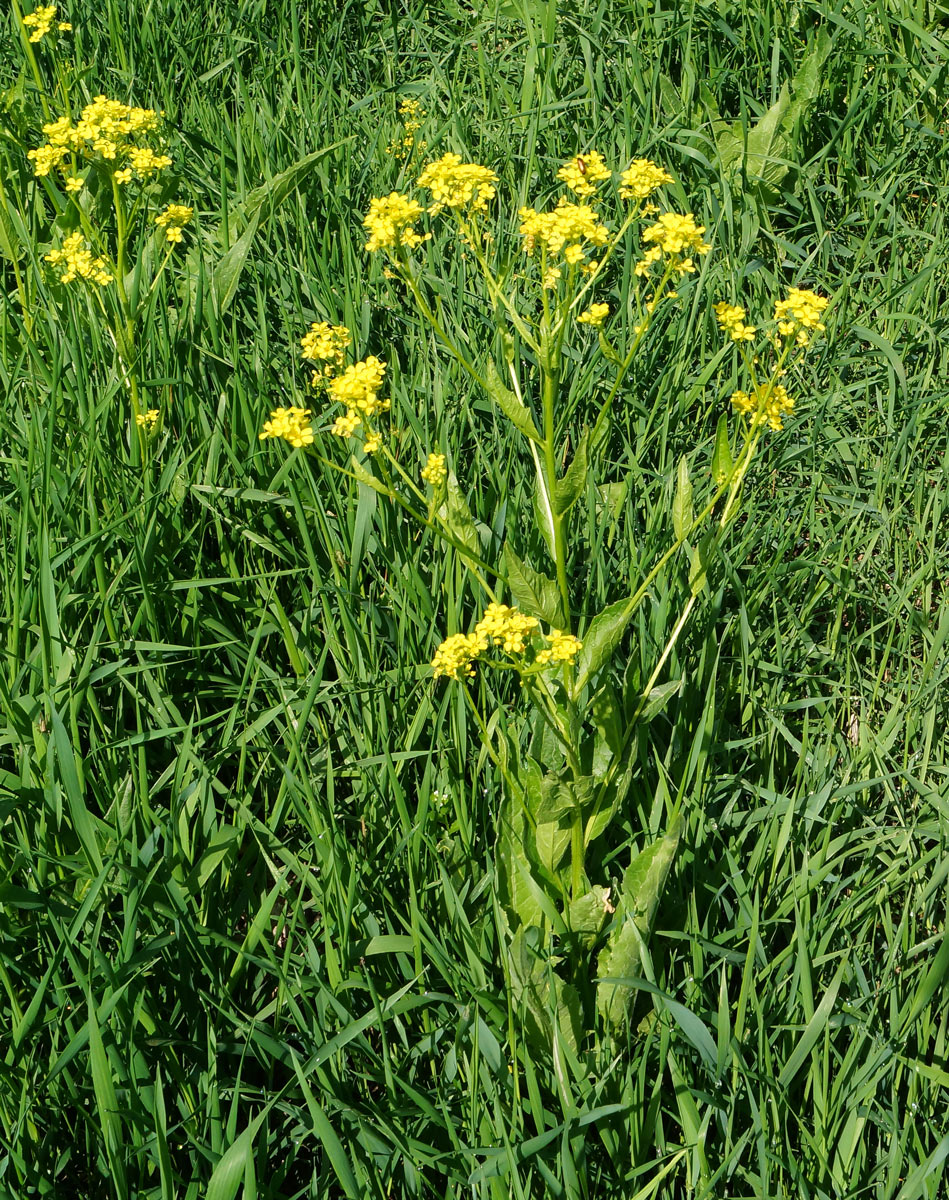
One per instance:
[(242, 946)]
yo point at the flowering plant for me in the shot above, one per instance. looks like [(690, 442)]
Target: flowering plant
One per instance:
[(563, 757), (101, 176)]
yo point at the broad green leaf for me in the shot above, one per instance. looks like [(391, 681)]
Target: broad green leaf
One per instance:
[(619, 960), (533, 593), (569, 489), (659, 697), (519, 891), (607, 716), (517, 413), (587, 914), (700, 558), (600, 639), (552, 840), (458, 517), (682, 501), (722, 456), (543, 514), (645, 879)]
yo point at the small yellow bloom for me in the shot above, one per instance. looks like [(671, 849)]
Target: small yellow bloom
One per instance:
[(123, 176), (641, 179), (506, 627), (567, 225), (434, 471), (768, 403), (372, 443), (561, 648), (582, 173), (551, 275), (457, 184), (73, 183), (454, 657), (345, 427), (391, 223), (358, 386), (41, 21), (595, 315), (326, 344), (731, 318), (147, 419), (675, 234), (799, 315), (75, 261), (172, 219), (292, 424)]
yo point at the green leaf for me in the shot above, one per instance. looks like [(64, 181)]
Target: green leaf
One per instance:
[(519, 891), (700, 558), (569, 489), (659, 697), (619, 960), (542, 515), (367, 477), (607, 717), (609, 351), (106, 1102), (601, 638), (645, 878), (682, 502), (517, 413), (587, 914), (722, 465), (533, 593)]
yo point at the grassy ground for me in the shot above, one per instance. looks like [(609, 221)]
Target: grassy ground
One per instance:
[(243, 943)]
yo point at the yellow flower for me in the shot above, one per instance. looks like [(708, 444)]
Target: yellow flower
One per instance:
[(434, 471), (106, 129), (172, 219), (358, 386), (641, 179), (799, 315), (561, 648), (391, 223), (674, 235), (567, 223), (75, 261), (345, 427), (292, 424), (325, 343), (457, 184), (582, 173), (551, 275), (73, 183), (372, 443), (595, 315), (123, 176), (454, 656), (731, 317), (149, 419), (41, 20), (505, 627), (767, 403)]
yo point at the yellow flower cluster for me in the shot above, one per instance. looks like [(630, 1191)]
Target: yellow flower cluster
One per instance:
[(76, 261), (731, 318), (595, 315), (508, 628), (767, 403), (357, 389), (292, 424), (562, 647), (800, 314), (583, 173), (147, 420), (391, 223), (173, 219), (411, 113), (677, 237), (641, 178), (106, 130), (457, 184), (566, 228), (434, 471), (41, 22), (326, 344)]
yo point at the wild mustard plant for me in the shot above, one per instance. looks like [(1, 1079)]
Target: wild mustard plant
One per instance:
[(562, 793), (100, 173)]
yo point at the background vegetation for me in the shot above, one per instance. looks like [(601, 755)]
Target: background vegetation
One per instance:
[(247, 922)]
